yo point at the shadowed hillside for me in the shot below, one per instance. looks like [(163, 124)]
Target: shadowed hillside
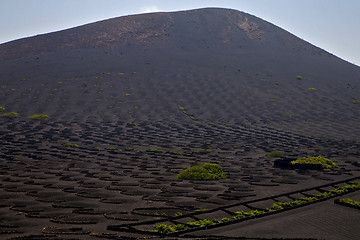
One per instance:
[(133, 100)]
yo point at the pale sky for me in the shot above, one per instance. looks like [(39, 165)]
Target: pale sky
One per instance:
[(332, 25)]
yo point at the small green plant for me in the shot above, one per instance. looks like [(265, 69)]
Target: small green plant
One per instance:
[(201, 210), (163, 228), (203, 172), (243, 214), (273, 100), (40, 117), (324, 162), (275, 154), (299, 77), (297, 202), (177, 153), (356, 102), (155, 150), (348, 202), (186, 113), (2, 109), (10, 115), (111, 148), (70, 145), (311, 89), (205, 151)]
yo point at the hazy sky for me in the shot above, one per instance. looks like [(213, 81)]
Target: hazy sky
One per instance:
[(333, 25)]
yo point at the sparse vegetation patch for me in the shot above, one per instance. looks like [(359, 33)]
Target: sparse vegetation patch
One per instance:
[(40, 117), (186, 113), (70, 145), (10, 115), (275, 154), (2, 109), (155, 150), (203, 172)]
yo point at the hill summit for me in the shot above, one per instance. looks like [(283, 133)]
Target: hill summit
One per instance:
[(195, 29)]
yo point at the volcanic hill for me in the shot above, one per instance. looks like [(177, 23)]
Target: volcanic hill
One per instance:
[(133, 100)]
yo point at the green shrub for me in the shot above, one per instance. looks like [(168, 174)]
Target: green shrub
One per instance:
[(203, 222), (356, 102), (297, 202), (243, 214), (163, 228), (2, 109), (40, 117), (202, 172), (299, 77), (349, 202), (10, 115), (201, 210), (275, 154), (324, 162), (311, 89)]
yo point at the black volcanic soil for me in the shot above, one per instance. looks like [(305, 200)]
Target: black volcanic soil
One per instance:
[(118, 89)]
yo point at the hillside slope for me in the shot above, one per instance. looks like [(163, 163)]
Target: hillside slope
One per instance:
[(133, 100)]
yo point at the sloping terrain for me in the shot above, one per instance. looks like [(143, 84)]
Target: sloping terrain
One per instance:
[(141, 97)]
